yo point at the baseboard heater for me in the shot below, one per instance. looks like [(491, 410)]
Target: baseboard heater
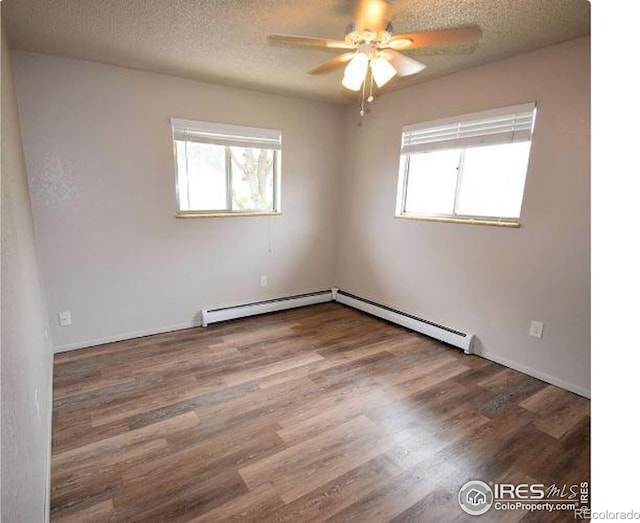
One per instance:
[(434, 330), (263, 307)]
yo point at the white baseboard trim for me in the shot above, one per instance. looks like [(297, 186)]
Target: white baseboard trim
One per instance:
[(262, 307), (122, 337), (456, 338), (542, 376), (451, 336), (213, 316)]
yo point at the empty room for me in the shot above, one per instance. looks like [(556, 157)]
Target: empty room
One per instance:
[(296, 261)]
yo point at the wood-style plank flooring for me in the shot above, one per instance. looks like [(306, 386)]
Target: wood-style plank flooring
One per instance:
[(313, 414)]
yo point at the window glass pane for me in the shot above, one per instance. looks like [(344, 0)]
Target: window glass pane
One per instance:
[(252, 179), (493, 180), (431, 182), (202, 181)]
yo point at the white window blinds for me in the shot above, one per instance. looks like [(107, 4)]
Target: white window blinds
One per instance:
[(497, 126), (223, 134)]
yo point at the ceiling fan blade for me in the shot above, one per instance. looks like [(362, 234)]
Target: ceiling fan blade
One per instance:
[(373, 15), (332, 64), (404, 65), (308, 41), (438, 38)]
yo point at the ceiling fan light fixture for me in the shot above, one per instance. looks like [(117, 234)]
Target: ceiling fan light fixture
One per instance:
[(355, 72), (372, 49), (382, 70)]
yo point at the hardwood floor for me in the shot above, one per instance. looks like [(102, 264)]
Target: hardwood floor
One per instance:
[(313, 414)]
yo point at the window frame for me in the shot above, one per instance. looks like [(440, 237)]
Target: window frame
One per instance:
[(226, 128), (454, 217)]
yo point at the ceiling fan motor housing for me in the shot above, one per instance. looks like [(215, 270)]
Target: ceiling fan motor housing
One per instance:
[(351, 28), (366, 37)]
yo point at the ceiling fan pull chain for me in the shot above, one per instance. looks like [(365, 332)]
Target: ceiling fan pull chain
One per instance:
[(370, 99), (364, 88)]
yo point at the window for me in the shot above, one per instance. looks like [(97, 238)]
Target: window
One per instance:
[(226, 169), (469, 169)]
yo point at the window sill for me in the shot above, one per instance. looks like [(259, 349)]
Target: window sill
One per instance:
[(225, 214), (467, 221)]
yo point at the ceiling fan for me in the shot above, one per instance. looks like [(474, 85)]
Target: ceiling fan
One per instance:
[(372, 49)]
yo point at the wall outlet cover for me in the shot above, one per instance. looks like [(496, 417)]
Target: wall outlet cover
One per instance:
[(536, 329)]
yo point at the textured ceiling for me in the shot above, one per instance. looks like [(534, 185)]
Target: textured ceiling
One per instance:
[(225, 41)]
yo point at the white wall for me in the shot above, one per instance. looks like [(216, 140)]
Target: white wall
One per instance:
[(99, 155), (486, 280), (26, 355), (98, 146)]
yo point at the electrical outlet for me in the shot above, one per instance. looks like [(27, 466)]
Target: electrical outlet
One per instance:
[(263, 281), (536, 329), (64, 318)]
